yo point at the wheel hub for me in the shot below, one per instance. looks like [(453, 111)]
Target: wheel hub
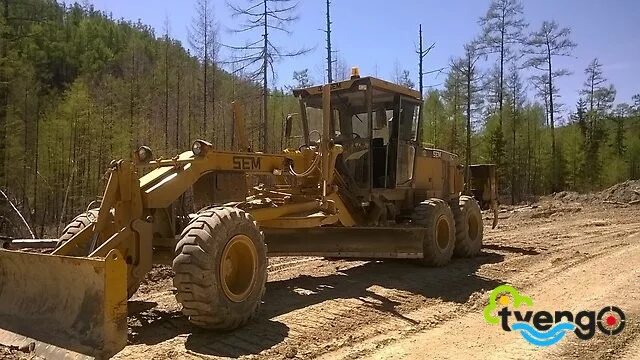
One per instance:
[(442, 232), (238, 268)]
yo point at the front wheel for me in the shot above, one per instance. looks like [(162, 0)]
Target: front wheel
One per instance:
[(221, 268)]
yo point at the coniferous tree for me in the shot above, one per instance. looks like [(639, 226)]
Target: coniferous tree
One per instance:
[(599, 99), (543, 46), (502, 28), (466, 67), (516, 97)]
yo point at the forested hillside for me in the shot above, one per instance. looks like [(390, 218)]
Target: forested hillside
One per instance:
[(79, 88), (595, 148)]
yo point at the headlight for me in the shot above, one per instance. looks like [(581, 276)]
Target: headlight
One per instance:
[(144, 154), (200, 147), (197, 148)]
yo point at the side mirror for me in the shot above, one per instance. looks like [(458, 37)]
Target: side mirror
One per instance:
[(288, 125), (380, 119)]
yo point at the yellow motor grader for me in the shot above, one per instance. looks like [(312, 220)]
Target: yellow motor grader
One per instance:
[(359, 185)]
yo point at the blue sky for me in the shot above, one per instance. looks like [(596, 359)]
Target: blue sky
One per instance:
[(376, 34)]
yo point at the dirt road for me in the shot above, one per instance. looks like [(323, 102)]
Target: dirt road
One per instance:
[(565, 256)]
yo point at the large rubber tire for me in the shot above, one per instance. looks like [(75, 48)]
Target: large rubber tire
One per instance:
[(75, 226), (439, 240), (203, 254), (469, 227)]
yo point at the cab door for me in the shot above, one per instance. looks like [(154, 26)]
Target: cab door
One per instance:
[(407, 132)]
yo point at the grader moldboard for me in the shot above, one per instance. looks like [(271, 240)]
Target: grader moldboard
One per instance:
[(365, 188)]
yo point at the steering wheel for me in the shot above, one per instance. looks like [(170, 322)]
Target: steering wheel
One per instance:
[(311, 142), (356, 137), (315, 132)]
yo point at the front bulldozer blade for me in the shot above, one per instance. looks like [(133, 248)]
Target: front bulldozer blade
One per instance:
[(63, 307)]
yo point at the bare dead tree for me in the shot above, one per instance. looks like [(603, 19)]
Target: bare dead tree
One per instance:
[(257, 57), (422, 54), (341, 69), (167, 44), (328, 32), (203, 38)]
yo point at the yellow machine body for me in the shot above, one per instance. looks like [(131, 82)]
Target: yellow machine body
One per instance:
[(73, 302)]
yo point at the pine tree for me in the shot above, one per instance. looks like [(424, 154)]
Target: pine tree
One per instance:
[(543, 46)]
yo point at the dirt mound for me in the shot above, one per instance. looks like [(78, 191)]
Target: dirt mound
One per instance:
[(627, 192), (572, 196)]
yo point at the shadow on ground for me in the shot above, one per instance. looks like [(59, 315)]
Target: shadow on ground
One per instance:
[(453, 283)]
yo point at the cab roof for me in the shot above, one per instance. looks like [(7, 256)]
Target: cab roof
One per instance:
[(376, 83)]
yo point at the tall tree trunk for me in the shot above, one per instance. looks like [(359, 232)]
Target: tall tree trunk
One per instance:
[(500, 93), (513, 148), (554, 160), (4, 96), (467, 160), (455, 118), (166, 96), (37, 164), (213, 99), (205, 70), (132, 98), (74, 162), (528, 156), (26, 147), (189, 102), (265, 94), (329, 61), (179, 78), (100, 146)]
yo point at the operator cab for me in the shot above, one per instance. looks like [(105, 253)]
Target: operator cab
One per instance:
[(376, 122)]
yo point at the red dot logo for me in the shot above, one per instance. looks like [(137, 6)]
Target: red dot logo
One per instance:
[(611, 320)]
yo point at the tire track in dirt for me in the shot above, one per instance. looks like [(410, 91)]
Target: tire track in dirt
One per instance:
[(472, 335), (539, 260), (324, 310), (347, 309)]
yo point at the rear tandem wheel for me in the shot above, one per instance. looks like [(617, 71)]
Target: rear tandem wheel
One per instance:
[(439, 240), (469, 227)]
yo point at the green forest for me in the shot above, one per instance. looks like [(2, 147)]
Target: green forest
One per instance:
[(79, 89)]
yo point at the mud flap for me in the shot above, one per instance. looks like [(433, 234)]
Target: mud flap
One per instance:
[(63, 307)]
